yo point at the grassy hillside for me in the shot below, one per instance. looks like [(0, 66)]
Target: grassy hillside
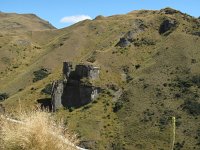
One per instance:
[(149, 72), (15, 23)]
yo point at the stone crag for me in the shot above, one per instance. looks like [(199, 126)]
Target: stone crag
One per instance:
[(75, 90), (167, 26)]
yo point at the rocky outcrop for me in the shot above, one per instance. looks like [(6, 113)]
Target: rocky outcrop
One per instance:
[(56, 94), (67, 69), (80, 71), (128, 38), (76, 89), (131, 36), (167, 26), (123, 42), (87, 71)]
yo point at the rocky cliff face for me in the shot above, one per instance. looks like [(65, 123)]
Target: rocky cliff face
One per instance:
[(167, 26), (80, 71), (75, 89), (56, 95)]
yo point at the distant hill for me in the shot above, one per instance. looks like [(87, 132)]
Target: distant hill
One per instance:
[(13, 22), (150, 72)]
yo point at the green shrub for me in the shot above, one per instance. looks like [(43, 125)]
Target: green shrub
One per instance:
[(129, 78), (92, 58), (40, 74), (178, 145), (3, 96), (118, 106), (86, 82), (86, 107), (71, 109), (144, 41), (192, 107), (163, 122), (196, 80), (47, 89)]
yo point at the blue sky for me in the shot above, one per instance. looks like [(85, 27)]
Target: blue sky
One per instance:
[(62, 13)]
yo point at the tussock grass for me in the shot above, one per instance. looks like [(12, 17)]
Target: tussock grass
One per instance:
[(35, 131)]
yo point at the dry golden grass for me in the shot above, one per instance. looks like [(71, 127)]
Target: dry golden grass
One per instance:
[(35, 131)]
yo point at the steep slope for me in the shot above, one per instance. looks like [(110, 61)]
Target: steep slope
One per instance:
[(149, 64), (17, 49), (12, 29)]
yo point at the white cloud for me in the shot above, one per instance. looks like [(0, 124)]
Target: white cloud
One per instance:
[(74, 19)]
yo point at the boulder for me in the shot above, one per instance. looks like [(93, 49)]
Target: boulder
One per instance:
[(130, 35), (123, 42)]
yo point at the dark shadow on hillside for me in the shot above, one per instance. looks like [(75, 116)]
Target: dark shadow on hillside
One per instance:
[(45, 104)]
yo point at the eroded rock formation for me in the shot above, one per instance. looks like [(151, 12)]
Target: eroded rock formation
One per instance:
[(75, 89), (131, 36), (167, 26), (56, 95)]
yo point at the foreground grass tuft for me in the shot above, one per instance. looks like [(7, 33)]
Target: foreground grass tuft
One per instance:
[(35, 130)]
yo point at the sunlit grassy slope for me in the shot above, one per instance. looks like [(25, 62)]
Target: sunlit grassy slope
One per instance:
[(157, 74)]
